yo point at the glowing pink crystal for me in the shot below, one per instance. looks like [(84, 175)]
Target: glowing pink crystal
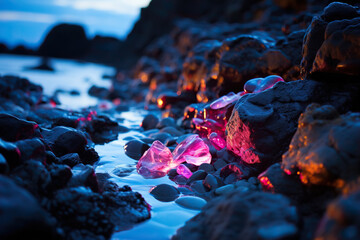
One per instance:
[(256, 85), (156, 161), (224, 100), (192, 150), (183, 170), (217, 141)]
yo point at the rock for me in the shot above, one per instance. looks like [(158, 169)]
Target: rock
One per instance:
[(341, 220), (239, 170), (60, 176), (99, 92), (21, 215), (210, 182), (331, 40), (64, 140), (190, 202), (84, 176), (207, 167), (198, 175), (34, 177), (324, 149), (4, 168), (166, 122), (225, 189), (171, 130), (253, 215), (198, 187), (11, 153), (65, 41), (123, 171), (219, 164), (31, 149), (262, 124), (149, 122), (161, 136), (102, 129), (13, 129), (165, 193), (70, 159), (135, 149)]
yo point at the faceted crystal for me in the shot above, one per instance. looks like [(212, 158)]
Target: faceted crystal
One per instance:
[(192, 150), (156, 161), (256, 85), (217, 141), (183, 170)]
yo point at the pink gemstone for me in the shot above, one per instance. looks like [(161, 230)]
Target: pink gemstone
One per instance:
[(217, 141), (256, 85), (156, 161), (192, 150), (183, 170), (224, 100)]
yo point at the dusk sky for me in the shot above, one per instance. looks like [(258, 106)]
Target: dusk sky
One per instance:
[(27, 21)]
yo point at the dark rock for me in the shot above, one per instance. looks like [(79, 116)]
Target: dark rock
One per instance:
[(65, 41), (135, 149), (172, 173), (89, 156), (331, 41), (99, 92), (240, 170), (102, 129), (13, 129), (210, 182), (11, 153), (198, 187), (31, 149), (207, 167), (21, 215), (341, 220), (240, 215), (162, 137), (171, 130), (84, 175), (180, 180), (64, 140), (51, 158), (4, 168), (34, 177), (219, 164), (60, 176), (70, 159), (149, 122), (324, 149), (198, 175), (191, 167), (190, 202), (166, 122), (262, 124), (165, 193), (123, 171)]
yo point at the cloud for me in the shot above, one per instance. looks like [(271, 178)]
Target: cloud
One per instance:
[(130, 7), (26, 16)]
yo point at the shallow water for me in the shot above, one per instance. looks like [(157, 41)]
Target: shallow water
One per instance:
[(71, 75)]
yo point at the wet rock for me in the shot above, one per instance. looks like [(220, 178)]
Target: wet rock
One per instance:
[(123, 171), (13, 129), (161, 136), (70, 159), (341, 220), (84, 175), (261, 125), (198, 175), (102, 129), (190, 202), (64, 140), (324, 149), (60, 176), (166, 122), (31, 149), (171, 130), (135, 149), (11, 153), (21, 215), (165, 193), (219, 164), (198, 187), (34, 177), (210, 182), (225, 189), (4, 168), (331, 41), (239, 170), (89, 155), (149, 122), (99, 92), (248, 216), (207, 167)]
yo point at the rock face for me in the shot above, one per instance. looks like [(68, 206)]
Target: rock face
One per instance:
[(65, 41), (341, 220), (262, 125), (243, 216), (21, 215), (324, 150), (331, 43)]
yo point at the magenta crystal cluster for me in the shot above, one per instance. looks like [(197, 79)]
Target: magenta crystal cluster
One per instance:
[(158, 159)]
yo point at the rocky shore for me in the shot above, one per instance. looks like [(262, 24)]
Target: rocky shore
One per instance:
[(260, 128)]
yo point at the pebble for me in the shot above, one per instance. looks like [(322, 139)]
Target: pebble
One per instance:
[(173, 131), (166, 122), (198, 186), (225, 189), (198, 175), (219, 164), (135, 149), (190, 202), (165, 193), (207, 167), (149, 122), (210, 182), (4, 168), (161, 136)]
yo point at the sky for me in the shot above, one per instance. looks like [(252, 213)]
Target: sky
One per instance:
[(26, 22)]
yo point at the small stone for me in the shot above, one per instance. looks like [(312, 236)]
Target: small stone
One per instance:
[(172, 173), (166, 122), (165, 193), (219, 164), (161, 136), (207, 167), (277, 231), (210, 182), (135, 149), (224, 189), (180, 180), (190, 202), (149, 122), (123, 171), (185, 191), (4, 168), (253, 180), (84, 175), (198, 186), (70, 159), (13, 129), (198, 175), (172, 130), (192, 167)]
